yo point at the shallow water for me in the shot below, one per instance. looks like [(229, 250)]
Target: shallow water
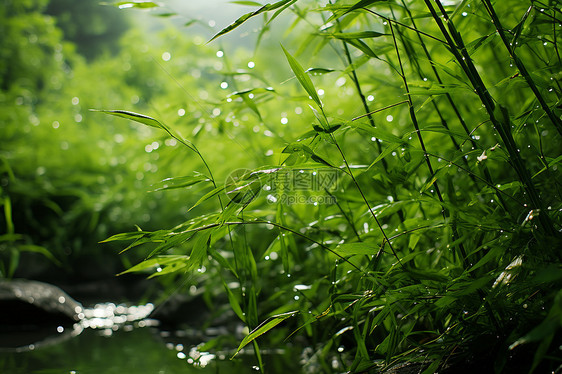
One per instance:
[(117, 339)]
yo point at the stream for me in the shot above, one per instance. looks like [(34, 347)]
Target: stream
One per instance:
[(120, 338)]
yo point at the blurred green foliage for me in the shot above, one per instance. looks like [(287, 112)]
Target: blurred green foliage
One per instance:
[(444, 244), (94, 29), (70, 177)]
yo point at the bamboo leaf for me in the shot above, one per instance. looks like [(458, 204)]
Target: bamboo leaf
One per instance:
[(249, 3), (245, 17), (298, 147), (362, 46), (172, 242), (126, 236), (38, 249), (251, 90), (136, 4), (149, 121), (234, 304), (544, 331), (319, 71), (179, 182), (199, 251), (388, 150), (378, 133), (303, 78), (356, 35), (167, 15), (492, 254), (155, 262), (263, 328), (356, 6), (357, 249), (519, 27), (207, 196)]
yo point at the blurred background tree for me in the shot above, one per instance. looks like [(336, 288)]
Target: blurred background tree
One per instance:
[(64, 183), (92, 28)]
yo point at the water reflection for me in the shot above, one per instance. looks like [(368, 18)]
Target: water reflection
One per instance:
[(107, 317), (111, 316), (45, 330), (130, 348)]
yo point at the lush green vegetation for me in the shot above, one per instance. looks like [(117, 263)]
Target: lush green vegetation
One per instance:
[(381, 188)]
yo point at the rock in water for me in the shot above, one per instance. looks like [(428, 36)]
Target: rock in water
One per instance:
[(30, 311)]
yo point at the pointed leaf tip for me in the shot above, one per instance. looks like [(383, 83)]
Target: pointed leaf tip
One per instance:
[(303, 78), (141, 118)]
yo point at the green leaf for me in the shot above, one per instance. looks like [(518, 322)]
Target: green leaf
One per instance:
[(356, 6), (388, 150), (357, 249), (245, 17), (263, 328), (362, 46), (478, 43), (299, 147), (173, 241), (249, 3), (10, 237), (492, 254), (303, 78), (363, 4), (199, 251), (378, 133), (167, 15), (126, 236), (327, 130), (551, 163), (234, 304), (155, 262), (436, 175), (319, 71), (251, 90), (519, 27), (136, 4), (356, 35), (38, 249), (14, 260), (547, 327), (179, 182), (149, 121)]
